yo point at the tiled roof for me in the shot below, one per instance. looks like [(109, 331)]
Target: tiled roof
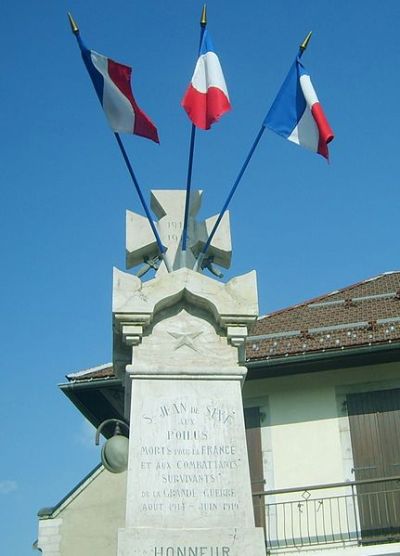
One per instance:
[(101, 371), (366, 313)]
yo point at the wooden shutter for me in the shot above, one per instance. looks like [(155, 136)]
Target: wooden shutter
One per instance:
[(254, 450), (375, 427)]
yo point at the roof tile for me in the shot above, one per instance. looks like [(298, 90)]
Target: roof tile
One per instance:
[(362, 314)]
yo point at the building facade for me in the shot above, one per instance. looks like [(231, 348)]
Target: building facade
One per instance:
[(322, 411)]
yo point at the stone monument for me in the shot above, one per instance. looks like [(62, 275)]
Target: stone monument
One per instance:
[(178, 343)]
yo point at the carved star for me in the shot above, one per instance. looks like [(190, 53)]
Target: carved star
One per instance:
[(185, 339)]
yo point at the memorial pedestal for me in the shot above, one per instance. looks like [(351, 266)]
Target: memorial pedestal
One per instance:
[(188, 489), (191, 542)]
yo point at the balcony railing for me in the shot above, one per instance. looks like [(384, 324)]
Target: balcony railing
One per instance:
[(350, 513)]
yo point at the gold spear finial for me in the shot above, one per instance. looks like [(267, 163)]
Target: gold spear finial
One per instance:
[(304, 44), (203, 19), (74, 26)]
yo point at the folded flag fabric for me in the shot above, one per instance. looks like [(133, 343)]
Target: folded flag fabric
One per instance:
[(297, 115), (206, 99), (112, 82)]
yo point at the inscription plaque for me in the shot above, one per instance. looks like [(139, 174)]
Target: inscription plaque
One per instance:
[(189, 457)]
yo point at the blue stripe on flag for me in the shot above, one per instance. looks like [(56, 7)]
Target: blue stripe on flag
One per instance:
[(289, 104), (95, 75), (206, 43)]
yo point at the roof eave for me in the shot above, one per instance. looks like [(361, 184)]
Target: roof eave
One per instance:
[(89, 383), (84, 395), (321, 361)]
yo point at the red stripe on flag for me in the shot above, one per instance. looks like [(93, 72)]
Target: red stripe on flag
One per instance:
[(205, 108), (121, 77), (325, 131)]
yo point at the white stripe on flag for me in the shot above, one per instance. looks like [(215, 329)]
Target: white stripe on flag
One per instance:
[(306, 133), (308, 90), (208, 73), (117, 107)]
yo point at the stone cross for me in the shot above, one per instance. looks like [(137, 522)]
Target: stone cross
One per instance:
[(168, 206)]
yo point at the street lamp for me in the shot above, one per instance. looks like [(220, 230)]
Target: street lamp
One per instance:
[(114, 453)]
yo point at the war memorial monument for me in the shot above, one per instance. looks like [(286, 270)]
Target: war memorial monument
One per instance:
[(179, 336), (178, 345), (178, 341)]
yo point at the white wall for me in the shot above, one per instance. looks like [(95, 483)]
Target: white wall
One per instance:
[(87, 523), (305, 433), (306, 441)]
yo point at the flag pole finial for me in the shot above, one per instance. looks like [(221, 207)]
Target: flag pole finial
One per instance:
[(72, 22), (203, 19), (304, 44)]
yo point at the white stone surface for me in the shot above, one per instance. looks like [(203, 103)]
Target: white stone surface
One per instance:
[(233, 302), (219, 316), (180, 337), (188, 336), (140, 239), (191, 542), (169, 207), (188, 459), (49, 537)]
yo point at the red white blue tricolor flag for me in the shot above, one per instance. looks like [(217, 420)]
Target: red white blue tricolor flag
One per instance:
[(297, 115), (112, 82), (206, 99)]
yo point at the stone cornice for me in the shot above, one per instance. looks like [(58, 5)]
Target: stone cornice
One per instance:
[(135, 303)]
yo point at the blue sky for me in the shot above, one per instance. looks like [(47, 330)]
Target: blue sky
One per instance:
[(306, 226)]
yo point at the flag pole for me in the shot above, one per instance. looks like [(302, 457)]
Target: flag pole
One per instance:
[(161, 247), (203, 252), (203, 24)]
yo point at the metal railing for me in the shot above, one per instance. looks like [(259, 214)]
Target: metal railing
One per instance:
[(350, 513)]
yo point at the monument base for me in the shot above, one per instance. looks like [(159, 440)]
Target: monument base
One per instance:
[(191, 542)]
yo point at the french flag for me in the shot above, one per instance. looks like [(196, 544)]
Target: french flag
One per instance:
[(296, 113), (206, 99), (112, 82)]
